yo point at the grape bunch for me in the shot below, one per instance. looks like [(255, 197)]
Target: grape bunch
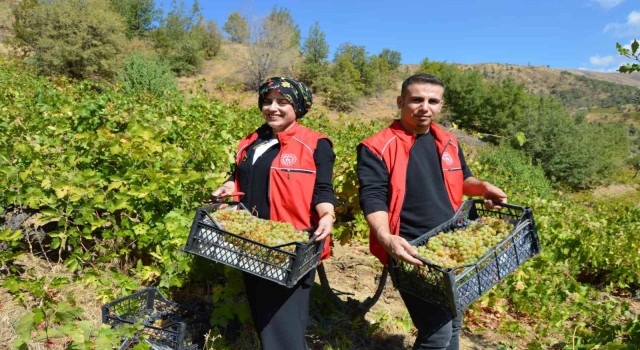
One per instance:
[(271, 233), (467, 244)]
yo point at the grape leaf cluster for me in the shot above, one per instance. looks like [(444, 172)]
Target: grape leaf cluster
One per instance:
[(271, 233), (466, 245)]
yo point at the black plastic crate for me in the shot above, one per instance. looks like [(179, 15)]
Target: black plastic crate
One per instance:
[(458, 287), (207, 239), (167, 325)]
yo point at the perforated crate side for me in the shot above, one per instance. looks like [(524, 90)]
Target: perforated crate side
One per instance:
[(208, 240), (457, 291), (166, 325)]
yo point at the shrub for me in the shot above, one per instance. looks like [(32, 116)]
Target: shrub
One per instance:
[(80, 39), (147, 74), (512, 171)]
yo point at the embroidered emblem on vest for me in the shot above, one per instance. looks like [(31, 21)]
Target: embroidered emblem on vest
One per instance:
[(288, 159), (447, 158)]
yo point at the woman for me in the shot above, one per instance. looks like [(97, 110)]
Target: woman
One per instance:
[(285, 171)]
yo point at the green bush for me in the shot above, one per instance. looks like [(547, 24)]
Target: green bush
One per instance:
[(147, 74), (512, 171), (80, 39)]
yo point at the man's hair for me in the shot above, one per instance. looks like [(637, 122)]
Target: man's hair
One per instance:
[(420, 79)]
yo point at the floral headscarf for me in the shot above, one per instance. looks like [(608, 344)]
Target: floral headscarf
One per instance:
[(295, 91)]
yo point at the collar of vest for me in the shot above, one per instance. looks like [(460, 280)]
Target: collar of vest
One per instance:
[(284, 136), (409, 137)]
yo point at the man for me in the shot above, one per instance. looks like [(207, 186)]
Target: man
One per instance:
[(412, 178)]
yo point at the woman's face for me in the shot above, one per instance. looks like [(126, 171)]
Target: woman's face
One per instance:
[(278, 112)]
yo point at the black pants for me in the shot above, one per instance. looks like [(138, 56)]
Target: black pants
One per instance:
[(280, 314), (437, 327)]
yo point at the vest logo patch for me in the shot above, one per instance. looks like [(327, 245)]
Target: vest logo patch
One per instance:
[(288, 159), (447, 158)]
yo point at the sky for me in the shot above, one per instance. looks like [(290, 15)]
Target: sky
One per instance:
[(569, 34)]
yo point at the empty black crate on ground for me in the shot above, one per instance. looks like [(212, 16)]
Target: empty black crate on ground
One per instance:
[(456, 288), (208, 240), (167, 325)]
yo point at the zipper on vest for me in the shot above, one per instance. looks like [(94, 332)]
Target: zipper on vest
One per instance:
[(453, 169), (289, 171), (445, 148)]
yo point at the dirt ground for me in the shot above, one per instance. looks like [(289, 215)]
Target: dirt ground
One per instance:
[(354, 273)]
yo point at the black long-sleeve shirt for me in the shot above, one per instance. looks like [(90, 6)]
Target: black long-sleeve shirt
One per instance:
[(254, 178), (426, 203)]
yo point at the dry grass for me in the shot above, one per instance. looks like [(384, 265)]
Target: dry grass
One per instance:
[(540, 79), (11, 311)]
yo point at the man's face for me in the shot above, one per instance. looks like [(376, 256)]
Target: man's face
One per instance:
[(419, 106)]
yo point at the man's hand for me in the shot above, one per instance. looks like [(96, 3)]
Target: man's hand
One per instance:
[(493, 195), (400, 249), (395, 246)]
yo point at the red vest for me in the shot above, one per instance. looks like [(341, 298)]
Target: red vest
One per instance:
[(292, 178), (393, 145)]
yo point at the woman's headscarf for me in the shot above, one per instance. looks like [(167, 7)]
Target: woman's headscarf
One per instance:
[(295, 91)]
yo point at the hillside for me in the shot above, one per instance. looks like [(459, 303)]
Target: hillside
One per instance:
[(546, 77), (575, 88)]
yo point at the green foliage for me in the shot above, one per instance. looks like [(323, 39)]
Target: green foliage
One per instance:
[(117, 177), (565, 282), (577, 155), (52, 315), (565, 147), (632, 53), (315, 52), (139, 15), (393, 58), (315, 48), (353, 75), (237, 28), (343, 88), (512, 171), (184, 39), (147, 74), (211, 38), (80, 39), (585, 92)]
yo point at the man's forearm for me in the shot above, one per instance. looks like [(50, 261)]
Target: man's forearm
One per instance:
[(379, 223), (472, 186)]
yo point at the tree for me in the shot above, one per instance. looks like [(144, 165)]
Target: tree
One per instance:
[(393, 58), (315, 52), (272, 50), (632, 53), (80, 39), (139, 15), (184, 40), (344, 87), (237, 27), (210, 36), (282, 18), (315, 47)]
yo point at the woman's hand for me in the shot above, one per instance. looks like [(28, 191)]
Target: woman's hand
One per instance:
[(227, 189), (327, 218), (325, 225)]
